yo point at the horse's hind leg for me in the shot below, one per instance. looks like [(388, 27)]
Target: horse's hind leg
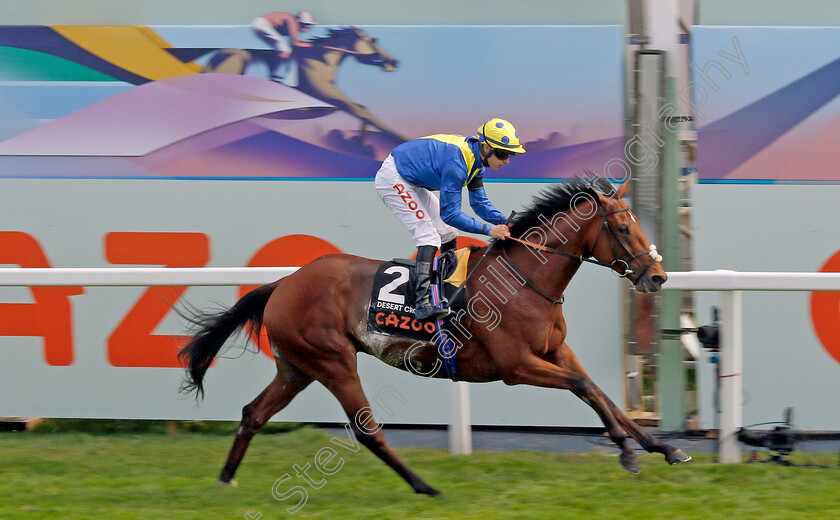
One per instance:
[(288, 382), (348, 390)]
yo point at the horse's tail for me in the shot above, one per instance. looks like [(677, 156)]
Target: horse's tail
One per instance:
[(214, 329)]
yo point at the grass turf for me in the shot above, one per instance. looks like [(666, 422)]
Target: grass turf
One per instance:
[(127, 476)]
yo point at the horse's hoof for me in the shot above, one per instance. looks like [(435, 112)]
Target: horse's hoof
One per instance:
[(428, 490), (630, 463), (678, 456), (232, 483)]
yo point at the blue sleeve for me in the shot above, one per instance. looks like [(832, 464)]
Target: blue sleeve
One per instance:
[(484, 208), (450, 207)]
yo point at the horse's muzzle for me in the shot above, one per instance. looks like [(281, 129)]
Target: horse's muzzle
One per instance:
[(650, 282)]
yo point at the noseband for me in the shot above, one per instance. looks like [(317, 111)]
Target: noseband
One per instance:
[(615, 265)]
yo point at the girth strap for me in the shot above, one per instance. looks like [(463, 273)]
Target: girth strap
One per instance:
[(445, 347)]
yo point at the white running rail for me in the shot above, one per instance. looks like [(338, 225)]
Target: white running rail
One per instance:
[(729, 283), (141, 276), (460, 438)]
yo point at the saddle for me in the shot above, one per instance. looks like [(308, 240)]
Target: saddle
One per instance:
[(391, 310)]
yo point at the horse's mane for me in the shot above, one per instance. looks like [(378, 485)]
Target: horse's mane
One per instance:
[(556, 199), (341, 32)]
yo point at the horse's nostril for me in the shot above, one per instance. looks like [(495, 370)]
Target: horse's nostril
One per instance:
[(658, 280)]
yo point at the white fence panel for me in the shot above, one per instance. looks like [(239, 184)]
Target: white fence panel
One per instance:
[(730, 283)]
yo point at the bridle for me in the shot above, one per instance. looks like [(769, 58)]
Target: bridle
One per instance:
[(341, 49), (377, 51), (615, 266), (652, 252)]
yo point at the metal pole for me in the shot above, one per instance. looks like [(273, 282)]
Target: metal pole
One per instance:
[(460, 431), (671, 374), (731, 349)]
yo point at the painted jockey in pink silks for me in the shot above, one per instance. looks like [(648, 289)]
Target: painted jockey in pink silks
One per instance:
[(280, 30)]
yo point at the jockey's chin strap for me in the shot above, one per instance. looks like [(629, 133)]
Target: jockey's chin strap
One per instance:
[(485, 157), (619, 266)]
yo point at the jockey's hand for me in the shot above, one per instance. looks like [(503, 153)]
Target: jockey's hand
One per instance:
[(284, 54), (500, 231)]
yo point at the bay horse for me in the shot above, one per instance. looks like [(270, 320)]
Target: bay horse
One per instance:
[(317, 68), (316, 319)]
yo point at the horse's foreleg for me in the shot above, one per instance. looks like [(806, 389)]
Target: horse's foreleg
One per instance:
[(286, 385), (646, 440), (348, 390), (538, 372), (642, 436)]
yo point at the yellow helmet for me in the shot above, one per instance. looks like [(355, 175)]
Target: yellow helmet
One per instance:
[(498, 133)]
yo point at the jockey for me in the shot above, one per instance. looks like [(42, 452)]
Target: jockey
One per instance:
[(445, 163), (280, 30)]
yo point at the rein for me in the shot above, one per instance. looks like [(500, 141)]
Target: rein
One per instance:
[(346, 51), (475, 268), (615, 265), (527, 282), (547, 249)]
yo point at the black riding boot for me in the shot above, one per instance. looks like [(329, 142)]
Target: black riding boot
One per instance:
[(423, 308), (448, 246)]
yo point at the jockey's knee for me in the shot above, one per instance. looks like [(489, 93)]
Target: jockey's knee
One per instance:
[(448, 235)]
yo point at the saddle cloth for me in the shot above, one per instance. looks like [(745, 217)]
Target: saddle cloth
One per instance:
[(391, 310)]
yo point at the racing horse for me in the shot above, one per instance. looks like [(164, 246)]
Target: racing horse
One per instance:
[(316, 317), (317, 68)]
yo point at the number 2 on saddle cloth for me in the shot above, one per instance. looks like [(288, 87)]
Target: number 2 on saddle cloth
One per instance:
[(391, 310)]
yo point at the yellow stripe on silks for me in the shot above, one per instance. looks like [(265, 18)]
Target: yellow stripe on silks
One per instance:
[(461, 142), (135, 48), (460, 274)]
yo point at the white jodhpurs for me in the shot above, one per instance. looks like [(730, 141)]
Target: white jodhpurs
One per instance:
[(417, 208), (266, 30)]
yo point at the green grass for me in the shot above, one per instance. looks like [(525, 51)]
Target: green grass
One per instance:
[(127, 476)]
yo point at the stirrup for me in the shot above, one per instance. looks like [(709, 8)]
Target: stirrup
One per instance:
[(430, 311)]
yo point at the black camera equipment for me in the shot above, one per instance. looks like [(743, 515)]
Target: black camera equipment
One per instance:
[(780, 441), (709, 335)]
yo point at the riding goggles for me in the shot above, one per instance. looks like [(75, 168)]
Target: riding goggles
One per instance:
[(502, 154)]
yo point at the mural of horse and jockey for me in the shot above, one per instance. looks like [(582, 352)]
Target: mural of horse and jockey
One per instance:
[(314, 68), (312, 64), (235, 102)]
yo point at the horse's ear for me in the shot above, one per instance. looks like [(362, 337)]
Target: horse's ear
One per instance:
[(623, 189), (603, 200)]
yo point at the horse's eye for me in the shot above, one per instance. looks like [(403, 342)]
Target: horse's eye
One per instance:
[(624, 229)]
